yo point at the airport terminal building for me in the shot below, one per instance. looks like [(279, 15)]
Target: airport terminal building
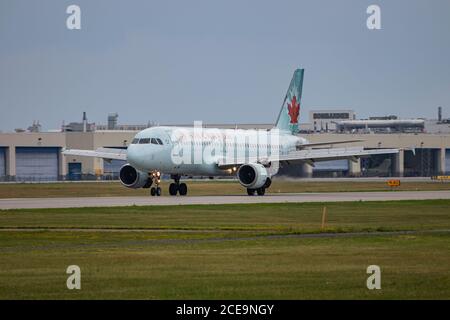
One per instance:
[(32, 155)]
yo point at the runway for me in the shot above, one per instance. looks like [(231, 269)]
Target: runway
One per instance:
[(27, 203)]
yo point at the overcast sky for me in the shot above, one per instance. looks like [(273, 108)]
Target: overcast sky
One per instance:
[(219, 61)]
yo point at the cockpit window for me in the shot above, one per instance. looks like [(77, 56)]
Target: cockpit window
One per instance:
[(147, 141), (144, 141)]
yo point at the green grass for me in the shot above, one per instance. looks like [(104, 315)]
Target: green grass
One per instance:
[(279, 217), (413, 267), (223, 252), (208, 187)]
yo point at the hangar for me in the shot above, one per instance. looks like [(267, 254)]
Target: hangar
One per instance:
[(36, 156), (31, 156)]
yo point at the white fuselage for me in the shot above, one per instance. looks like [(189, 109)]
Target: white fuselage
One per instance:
[(196, 151)]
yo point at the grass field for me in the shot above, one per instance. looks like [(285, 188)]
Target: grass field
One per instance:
[(208, 187), (253, 251)]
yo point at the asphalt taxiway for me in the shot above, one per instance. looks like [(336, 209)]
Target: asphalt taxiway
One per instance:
[(79, 202)]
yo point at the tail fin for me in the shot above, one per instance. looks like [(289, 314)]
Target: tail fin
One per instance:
[(290, 110)]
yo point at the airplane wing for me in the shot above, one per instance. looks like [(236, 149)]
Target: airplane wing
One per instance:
[(305, 145), (309, 156), (105, 153)]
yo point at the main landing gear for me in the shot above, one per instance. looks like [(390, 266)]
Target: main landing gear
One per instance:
[(177, 187), (260, 191), (156, 178)]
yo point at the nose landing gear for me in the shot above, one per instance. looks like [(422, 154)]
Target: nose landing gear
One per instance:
[(156, 178), (177, 187)]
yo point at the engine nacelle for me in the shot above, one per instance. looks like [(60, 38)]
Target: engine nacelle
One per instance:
[(253, 175), (132, 178)]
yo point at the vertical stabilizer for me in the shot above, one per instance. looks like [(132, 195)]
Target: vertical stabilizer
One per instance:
[(289, 115)]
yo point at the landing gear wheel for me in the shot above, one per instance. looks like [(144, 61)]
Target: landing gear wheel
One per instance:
[(182, 189), (154, 177), (173, 189), (261, 191), (251, 192)]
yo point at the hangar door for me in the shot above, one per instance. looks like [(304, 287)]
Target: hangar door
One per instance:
[(75, 172), (447, 161), (37, 163), (2, 163)]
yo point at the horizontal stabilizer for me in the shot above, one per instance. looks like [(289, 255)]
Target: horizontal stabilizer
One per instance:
[(305, 145)]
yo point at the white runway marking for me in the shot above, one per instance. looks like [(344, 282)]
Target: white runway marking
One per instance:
[(232, 199)]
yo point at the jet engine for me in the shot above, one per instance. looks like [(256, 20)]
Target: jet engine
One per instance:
[(253, 176), (132, 178)]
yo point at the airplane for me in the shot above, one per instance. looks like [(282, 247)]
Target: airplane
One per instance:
[(252, 156)]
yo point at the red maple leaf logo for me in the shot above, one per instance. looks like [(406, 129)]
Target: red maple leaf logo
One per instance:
[(294, 110)]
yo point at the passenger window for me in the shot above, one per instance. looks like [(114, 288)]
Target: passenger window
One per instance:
[(144, 141), (135, 141), (154, 141), (159, 141)]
